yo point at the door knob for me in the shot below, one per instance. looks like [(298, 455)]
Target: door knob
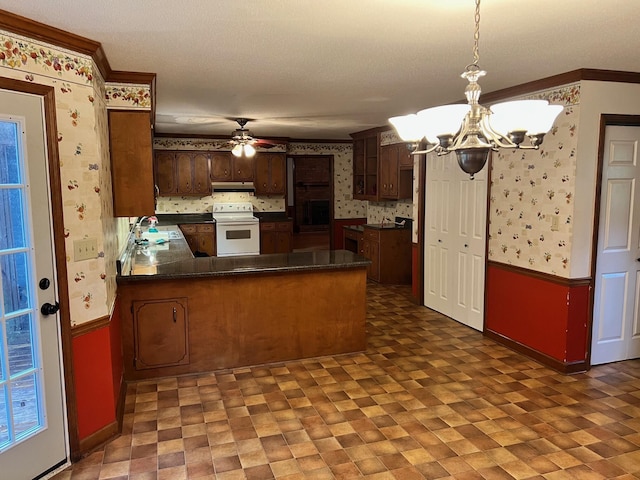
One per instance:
[(49, 309)]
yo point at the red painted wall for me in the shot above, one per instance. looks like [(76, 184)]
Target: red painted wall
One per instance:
[(544, 315), (338, 232), (93, 381), (97, 362)]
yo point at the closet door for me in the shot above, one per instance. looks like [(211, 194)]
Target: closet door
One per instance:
[(455, 239)]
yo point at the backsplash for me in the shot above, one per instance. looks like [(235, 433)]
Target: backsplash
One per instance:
[(203, 205)]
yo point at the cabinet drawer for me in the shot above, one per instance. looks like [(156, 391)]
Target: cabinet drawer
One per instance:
[(188, 229), (352, 234), (267, 226), (205, 228), (370, 234), (283, 226)]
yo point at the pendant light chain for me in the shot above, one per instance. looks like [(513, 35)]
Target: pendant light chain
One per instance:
[(476, 35)]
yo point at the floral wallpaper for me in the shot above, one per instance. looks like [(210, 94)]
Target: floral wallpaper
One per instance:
[(127, 95), (531, 195), (84, 163)]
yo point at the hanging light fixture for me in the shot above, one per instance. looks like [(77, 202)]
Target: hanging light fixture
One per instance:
[(473, 131), (243, 140)]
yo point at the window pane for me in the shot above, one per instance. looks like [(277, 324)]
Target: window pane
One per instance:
[(4, 416), (20, 344), (11, 216), (9, 166), (24, 399), (15, 287)]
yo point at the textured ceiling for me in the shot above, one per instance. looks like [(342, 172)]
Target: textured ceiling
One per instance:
[(327, 68)]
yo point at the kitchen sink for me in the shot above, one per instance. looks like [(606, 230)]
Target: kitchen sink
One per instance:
[(161, 235)]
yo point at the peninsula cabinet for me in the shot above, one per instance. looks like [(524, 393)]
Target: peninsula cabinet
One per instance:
[(130, 144), (365, 165), (160, 333), (271, 173), (225, 167), (276, 237), (201, 237), (396, 172), (389, 250), (182, 173)]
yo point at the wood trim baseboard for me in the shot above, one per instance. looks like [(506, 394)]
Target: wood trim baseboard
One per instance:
[(547, 277), (97, 439), (557, 365), (90, 326)]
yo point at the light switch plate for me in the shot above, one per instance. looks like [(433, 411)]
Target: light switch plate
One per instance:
[(85, 249)]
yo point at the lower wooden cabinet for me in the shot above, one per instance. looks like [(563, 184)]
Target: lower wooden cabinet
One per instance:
[(201, 237), (390, 253), (160, 333), (275, 237)]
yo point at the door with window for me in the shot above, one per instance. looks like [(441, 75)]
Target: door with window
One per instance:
[(32, 424), (616, 311)]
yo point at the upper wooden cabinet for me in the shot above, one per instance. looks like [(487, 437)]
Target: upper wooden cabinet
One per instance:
[(271, 173), (130, 143), (396, 172), (365, 166), (182, 173), (225, 167)]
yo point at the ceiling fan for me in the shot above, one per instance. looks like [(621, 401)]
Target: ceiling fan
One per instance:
[(245, 143)]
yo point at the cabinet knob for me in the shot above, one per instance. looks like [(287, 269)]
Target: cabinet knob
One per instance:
[(175, 315), (264, 185), (391, 185)]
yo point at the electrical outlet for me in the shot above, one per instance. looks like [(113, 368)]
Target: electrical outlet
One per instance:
[(555, 223), (85, 249)]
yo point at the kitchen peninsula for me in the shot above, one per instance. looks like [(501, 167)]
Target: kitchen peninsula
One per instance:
[(183, 315)]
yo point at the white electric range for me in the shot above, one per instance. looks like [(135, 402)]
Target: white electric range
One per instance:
[(237, 229)]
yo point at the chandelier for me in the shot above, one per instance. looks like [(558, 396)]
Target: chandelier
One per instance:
[(473, 131)]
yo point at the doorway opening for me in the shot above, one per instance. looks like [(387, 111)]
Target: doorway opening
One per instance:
[(310, 201)]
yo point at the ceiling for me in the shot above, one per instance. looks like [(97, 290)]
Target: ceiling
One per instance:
[(321, 69)]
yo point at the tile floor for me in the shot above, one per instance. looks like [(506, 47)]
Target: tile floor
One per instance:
[(429, 398)]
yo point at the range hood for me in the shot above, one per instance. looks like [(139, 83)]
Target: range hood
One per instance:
[(218, 187)]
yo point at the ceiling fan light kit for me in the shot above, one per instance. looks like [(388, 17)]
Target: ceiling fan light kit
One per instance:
[(472, 131), (243, 140)]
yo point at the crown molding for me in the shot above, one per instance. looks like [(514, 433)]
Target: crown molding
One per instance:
[(70, 41)]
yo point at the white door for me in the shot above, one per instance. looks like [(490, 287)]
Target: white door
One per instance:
[(616, 327), (455, 238), (32, 424)]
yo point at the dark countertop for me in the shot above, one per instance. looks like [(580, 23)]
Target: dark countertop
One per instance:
[(375, 226), (173, 259), (272, 216), (165, 219), (252, 264)]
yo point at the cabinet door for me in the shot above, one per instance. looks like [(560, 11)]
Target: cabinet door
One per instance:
[(242, 169), (131, 149), (201, 177), (221, 164), (405, 158), (263, 174), (160, 329), (165, 173), (278, 173), (267, 237), (389, 172), (184, 169)]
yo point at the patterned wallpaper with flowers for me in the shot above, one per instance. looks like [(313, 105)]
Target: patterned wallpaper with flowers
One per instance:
[(531, 188), (84, 162)]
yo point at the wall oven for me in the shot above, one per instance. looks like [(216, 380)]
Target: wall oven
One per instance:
[(237, 230)]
